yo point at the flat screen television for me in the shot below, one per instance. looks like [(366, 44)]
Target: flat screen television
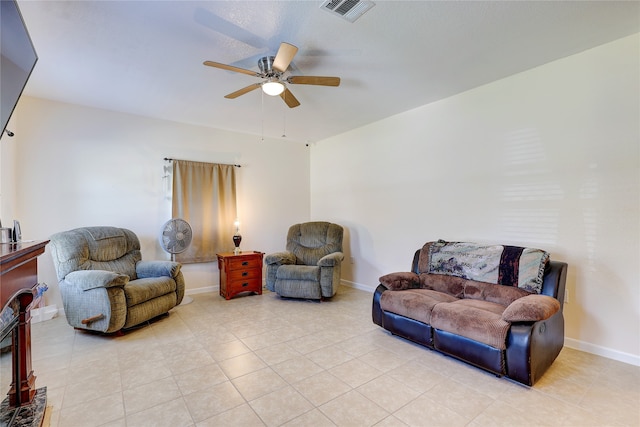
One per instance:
[(17, 59)]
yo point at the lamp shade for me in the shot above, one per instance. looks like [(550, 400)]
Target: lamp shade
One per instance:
[(272, 88)]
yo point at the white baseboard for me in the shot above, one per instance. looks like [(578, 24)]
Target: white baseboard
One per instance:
[(358, 286), (202, 290), (609, 353), (216, 288)]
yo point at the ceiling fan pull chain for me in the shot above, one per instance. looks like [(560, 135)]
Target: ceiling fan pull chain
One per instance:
[(284, 126), (262, 98)]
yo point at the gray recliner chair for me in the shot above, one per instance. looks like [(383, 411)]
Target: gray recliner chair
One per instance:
[(104, 283), (310, 266)]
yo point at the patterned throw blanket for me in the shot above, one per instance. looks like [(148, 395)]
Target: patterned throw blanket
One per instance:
[(502, 265)]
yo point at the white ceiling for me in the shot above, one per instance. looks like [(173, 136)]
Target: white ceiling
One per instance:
[(145, 57)]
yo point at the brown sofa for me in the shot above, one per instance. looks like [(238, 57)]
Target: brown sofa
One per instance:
[(496, 307)]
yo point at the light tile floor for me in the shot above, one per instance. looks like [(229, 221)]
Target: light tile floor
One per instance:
[(262, 360)]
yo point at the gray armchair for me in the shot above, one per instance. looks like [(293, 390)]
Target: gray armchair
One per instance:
[(310, 266), (104, 283)]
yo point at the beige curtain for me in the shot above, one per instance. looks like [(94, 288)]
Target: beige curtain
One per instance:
[(204, 195)]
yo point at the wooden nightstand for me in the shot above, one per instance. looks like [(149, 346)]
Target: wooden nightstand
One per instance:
[(240, 273)]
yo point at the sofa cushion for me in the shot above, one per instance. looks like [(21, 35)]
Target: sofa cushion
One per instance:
[(531, 308), (474, 319), (450, 285), (106, 243), (498, 294), (298, 272), (141, 290), (416, 304), (113, 249), (401, 280)]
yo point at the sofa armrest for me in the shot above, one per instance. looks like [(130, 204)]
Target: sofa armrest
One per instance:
[(146, 269), (91, 279), (331, 260), (280, 258), (532, 347), (531, 308), (400, 281)]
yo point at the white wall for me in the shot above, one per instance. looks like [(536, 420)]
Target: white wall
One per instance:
[(77, 166), (548, 158)]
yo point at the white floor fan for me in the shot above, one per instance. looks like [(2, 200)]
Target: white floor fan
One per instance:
[(175, 238)]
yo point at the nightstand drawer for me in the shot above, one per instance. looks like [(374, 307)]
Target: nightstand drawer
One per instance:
[(249, 285), (244, 274), (245, 262)]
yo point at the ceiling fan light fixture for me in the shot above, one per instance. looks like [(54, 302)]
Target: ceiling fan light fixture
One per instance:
[(273, 72), (272, 88)]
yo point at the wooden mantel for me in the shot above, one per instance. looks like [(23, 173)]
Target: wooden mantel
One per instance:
[(18, 279)]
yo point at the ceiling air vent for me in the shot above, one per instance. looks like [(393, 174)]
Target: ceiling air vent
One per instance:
[(347, 9)]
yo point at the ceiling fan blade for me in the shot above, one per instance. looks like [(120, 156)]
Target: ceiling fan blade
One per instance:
[(231, 68), (285, 55), (242, 91), (289, 99), (314, 80)]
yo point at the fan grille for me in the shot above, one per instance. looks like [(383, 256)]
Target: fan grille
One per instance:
[(176, 236)]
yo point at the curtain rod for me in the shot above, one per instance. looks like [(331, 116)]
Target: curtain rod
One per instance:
[(168, 159)]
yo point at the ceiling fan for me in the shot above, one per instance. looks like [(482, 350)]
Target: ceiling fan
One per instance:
[(272, 71)]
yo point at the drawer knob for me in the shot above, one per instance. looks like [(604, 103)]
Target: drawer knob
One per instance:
[(245, 273), (245, 262), (245, 284)]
